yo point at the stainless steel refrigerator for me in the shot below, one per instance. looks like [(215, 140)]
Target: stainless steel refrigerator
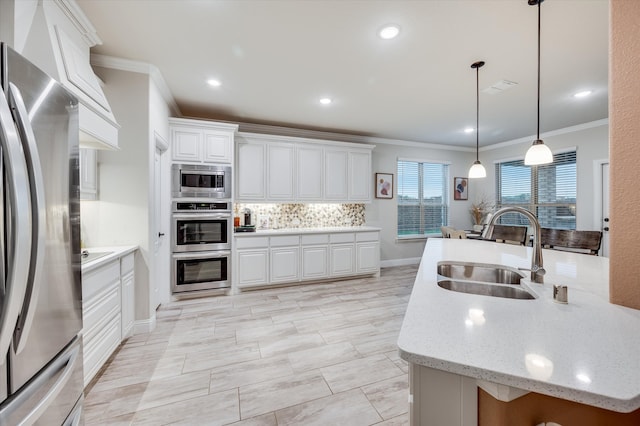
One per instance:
[(41, 379)]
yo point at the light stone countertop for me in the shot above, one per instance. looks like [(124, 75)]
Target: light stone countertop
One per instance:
[(586, 351), (298, 231), (114, 253)]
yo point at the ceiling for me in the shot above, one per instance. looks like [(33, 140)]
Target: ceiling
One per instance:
[(276, 59)]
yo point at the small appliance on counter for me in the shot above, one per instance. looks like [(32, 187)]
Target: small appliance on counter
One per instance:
[(244, 223)]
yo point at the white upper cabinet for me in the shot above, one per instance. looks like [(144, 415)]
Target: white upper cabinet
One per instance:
[(88, 174), (310, 165), (251, 170), (286, 169), (281, 171), (200, 141), (360, 176)]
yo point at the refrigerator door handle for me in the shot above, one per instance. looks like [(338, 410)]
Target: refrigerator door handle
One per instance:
[(39, 217), (19, 228)]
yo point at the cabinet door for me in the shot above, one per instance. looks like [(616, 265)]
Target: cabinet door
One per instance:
[(253, 267), (360, 176), (128, 304), (284, 264), (251, 171), (315, 263), (88, 174), (335, 175), (342, 259), (216, 147), (368, 257), (309, 173), (186, 144), (281, 167)]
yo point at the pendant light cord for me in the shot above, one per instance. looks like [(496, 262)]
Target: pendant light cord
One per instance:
[(538, 129), (477, 112)]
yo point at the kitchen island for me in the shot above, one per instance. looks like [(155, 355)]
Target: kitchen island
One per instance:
[(587, 351)]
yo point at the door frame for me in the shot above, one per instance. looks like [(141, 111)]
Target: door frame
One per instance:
[(597, 196)]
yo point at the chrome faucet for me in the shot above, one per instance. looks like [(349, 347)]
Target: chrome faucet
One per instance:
[(537, 271)]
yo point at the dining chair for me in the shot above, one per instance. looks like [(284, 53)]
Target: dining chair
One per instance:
[(509, 234), (587, 242)]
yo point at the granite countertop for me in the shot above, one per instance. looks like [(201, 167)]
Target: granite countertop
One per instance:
[(586, 351), (297, 231), (112, 253)]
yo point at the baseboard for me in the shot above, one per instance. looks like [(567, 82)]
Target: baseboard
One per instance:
[(400, 262), (145, 325)]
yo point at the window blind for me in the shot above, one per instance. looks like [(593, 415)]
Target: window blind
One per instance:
[(548, 191), (422, 198)]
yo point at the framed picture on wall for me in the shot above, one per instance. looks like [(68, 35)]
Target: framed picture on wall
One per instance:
[(460, 188), (384, 185)]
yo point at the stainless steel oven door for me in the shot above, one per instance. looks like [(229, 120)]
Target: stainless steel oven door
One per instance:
[(201, 231), (190, 180), (200, 271)]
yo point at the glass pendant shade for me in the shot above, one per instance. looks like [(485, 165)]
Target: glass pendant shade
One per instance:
[(538, 154), (477, 170)]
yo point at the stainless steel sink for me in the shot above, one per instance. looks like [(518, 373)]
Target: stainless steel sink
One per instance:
[(484, 272), (485, 289), (85, 256)]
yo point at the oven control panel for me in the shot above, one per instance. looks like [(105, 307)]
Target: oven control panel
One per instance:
[(198, 206)]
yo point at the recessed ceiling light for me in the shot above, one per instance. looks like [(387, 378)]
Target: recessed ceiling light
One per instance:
[(469, 130), (325, 101), (389, 31), (582, 94), (213, 83)]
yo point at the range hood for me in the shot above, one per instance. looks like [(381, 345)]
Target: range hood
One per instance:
[(58, 42)]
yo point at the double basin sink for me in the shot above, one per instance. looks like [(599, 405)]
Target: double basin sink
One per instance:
[(483, 279)]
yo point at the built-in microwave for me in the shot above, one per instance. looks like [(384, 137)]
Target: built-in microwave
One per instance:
[(200, 181)]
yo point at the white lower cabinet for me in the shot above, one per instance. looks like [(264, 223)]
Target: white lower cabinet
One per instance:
[(100, 316), (108, 293), (128, 293), (263, 260)]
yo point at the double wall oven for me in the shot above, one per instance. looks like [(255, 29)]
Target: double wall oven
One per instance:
[(201, 236)]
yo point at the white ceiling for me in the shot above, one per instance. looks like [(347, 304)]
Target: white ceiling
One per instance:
[(276, 59)]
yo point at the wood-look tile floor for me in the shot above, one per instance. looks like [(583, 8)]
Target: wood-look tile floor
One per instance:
[(315, 354)]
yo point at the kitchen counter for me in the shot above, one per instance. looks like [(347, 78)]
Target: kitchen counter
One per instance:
[(299, 231), (112, 253), (586, 351)]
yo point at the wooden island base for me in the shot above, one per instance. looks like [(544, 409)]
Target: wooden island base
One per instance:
[(534, 408)]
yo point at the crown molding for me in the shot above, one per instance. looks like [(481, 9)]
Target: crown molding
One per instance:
[(558, 132), (121, 64)]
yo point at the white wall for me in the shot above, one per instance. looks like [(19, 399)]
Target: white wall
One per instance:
[(384, 212), (590, 141), (121, 216)]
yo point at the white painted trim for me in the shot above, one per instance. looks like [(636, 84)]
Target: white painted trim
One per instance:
[(77, 17), (400, 262), (145, 326), (295, 139), (161, 143), (597, 192), (530, 139), (121, 64)]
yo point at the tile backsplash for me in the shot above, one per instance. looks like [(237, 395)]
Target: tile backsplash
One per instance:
[(276, 216)]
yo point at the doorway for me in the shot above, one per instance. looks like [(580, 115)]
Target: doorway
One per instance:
[(601, 208)]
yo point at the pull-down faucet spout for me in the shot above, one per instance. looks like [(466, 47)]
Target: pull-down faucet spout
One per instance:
[(537, 271)]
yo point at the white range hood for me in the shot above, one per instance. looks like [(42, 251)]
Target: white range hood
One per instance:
[(58, 41)]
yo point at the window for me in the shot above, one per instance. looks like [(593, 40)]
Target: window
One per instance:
[(548, 191), (422, 198)]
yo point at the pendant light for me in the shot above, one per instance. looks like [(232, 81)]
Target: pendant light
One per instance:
[(477, 169), (538, 153)]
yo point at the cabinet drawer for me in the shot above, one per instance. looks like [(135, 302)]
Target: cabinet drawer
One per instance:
[(367, 236), (253, 242), (126, 263), (95, 281), (347, 237), (97, 308), (313, 239), (285, 240)]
